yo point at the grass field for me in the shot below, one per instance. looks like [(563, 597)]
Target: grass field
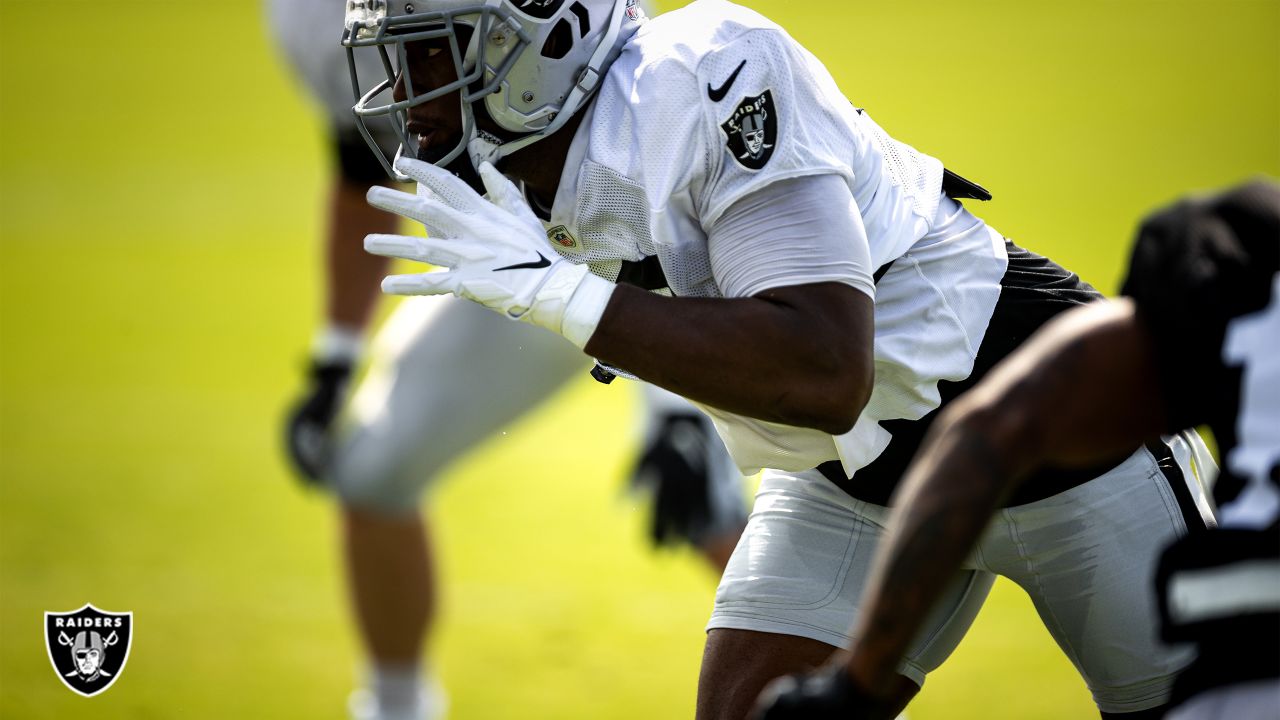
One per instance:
[(159, 187)]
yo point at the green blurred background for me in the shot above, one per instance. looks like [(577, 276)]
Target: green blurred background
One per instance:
[(160, 184)]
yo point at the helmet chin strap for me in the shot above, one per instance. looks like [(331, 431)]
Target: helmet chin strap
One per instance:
[(484, 147), (489, 149)]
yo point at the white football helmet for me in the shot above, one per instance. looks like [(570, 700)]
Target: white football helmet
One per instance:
[(533, 63)]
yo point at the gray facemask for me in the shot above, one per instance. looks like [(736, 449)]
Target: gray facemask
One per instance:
[(532, 63)]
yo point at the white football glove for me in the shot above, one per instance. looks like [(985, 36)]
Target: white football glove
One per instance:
[(496, 252)]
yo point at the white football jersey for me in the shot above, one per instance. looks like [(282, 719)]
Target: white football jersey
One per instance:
[(711, 103)]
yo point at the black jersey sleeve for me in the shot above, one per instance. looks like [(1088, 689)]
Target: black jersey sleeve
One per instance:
[(1195, 266)]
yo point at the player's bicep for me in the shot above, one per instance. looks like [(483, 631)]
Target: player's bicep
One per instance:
[(800, 231)]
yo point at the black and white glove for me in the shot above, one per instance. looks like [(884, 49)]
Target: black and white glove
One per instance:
[(676, 469), (495, 249), (310, 420), (825, 694)]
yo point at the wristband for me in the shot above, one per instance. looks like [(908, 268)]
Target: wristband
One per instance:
[(585, 308)]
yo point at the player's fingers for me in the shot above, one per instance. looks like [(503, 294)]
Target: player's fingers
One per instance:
[(420, 207), (445, 252), (436, 216), (395, 246), (434, 283), (452, 252), (398, 202), (451, 189), (504, 193), (425, 192), (426, 208)]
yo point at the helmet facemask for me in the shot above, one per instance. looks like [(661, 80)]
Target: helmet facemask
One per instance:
[(529, 64), (369, 26)]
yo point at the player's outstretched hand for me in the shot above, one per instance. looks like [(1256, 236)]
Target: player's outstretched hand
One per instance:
[(495, 251), (826, 694), (309, 422)]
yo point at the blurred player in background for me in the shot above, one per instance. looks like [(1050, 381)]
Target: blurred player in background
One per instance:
[(707, 156), (445, 374), (1197, 341)]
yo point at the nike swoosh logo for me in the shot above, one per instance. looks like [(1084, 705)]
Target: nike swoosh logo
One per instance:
[(541, 262), (717, 94)]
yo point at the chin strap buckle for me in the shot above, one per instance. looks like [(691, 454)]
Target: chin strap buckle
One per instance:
[(588, 80)]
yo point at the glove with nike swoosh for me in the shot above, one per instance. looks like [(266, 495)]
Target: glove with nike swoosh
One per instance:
[(495, 249)]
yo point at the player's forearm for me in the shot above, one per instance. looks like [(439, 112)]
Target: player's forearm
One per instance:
[(945, 502), (1080, 392), (353, 276), (799, 356)]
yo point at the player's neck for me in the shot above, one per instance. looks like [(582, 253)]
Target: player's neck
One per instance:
[(541, 164)]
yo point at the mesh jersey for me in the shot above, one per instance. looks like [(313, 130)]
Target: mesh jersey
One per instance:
[(650, 170), (667, 148)]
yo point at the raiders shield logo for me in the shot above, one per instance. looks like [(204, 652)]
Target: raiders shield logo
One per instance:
[(561, 236), (88, 647), (752, 131)]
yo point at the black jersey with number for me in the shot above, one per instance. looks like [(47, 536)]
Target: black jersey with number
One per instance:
[(1197, 267), (1204, 278)]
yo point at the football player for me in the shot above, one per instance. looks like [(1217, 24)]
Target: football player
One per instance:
[(699, 206), (416, 411), (1203, 303)]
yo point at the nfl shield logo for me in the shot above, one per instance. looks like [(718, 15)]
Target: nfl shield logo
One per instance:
[(88, 647), (561, 236), (634, 11)]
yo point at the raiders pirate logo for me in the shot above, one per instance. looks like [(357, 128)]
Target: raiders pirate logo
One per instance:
[(752, 130), (561, 236), (88, 647)]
